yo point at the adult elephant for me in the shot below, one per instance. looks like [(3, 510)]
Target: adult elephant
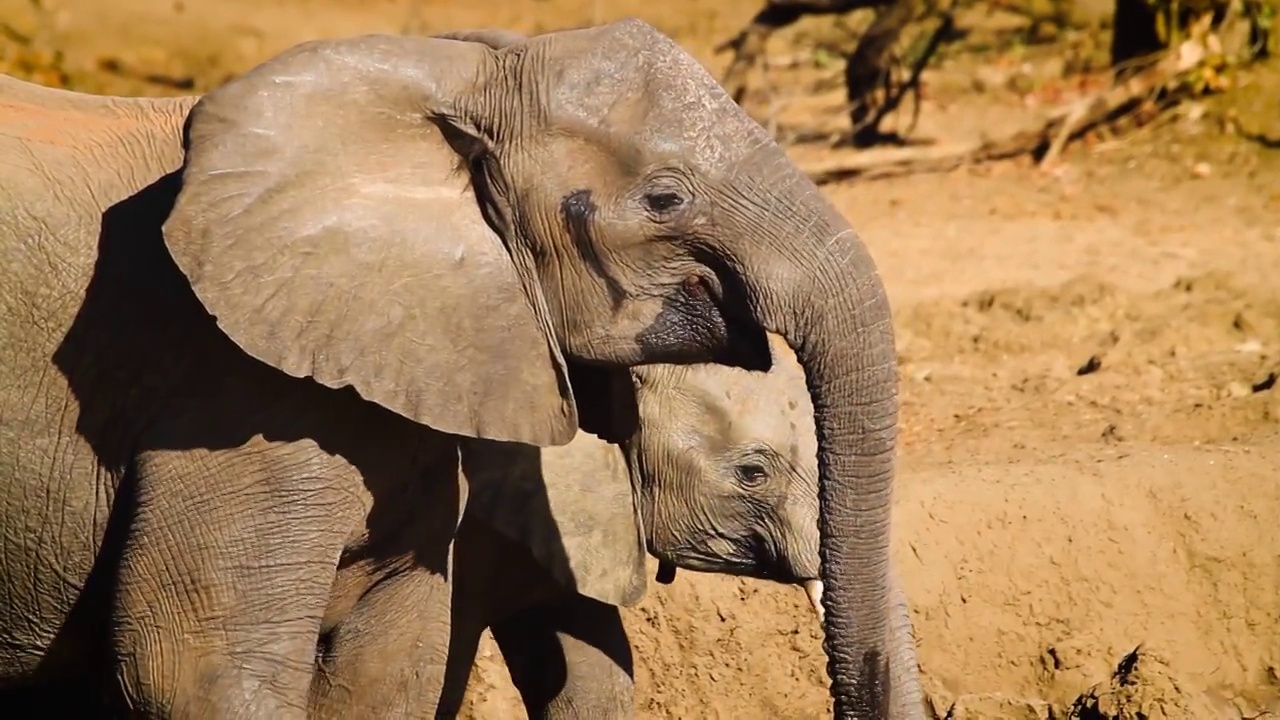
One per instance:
[(723, 472), (242, 333)]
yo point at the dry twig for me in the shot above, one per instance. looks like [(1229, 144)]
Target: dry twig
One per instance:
[(1046, 141), (911, 85), (119, 68)]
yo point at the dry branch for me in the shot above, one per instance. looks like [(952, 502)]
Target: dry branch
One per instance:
[(1046, 141), (119, 68)]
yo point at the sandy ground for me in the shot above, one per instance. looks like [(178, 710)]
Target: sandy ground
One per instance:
[(1104, 545)]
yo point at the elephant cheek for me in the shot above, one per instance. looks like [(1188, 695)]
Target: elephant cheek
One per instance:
[(691, 328)]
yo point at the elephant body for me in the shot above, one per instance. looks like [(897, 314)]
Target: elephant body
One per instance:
[(297, 499), (260, 349), (63, 454)]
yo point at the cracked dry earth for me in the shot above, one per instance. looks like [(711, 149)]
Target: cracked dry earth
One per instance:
[(1087, 517)]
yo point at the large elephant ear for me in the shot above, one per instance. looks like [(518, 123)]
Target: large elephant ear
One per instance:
[(573, 506), (328, 222)]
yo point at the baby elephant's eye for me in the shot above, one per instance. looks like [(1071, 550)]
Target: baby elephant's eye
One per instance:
[(663, 202), (751, 475)]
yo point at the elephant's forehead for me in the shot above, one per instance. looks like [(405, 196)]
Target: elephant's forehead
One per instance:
[(750, 409), (775, 419), (629, 80)]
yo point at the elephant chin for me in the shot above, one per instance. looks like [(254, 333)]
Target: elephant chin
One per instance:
[(813, 588)]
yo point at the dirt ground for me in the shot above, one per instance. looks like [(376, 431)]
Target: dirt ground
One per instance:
[(1101, 544)]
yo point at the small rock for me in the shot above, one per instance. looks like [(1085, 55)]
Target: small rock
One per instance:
[(1272, 413), (1090, 366), (1201, 170), (1044, 31), (1190, 54), (1022, 82), (1264, 384), (1239, 389)]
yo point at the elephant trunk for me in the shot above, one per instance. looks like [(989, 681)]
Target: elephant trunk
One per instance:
[(824, 296)]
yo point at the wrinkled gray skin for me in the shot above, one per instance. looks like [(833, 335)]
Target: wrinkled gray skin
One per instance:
[(725, 472), (244, 339)]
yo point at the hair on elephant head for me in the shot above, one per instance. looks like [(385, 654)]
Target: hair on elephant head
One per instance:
[(445, 225)]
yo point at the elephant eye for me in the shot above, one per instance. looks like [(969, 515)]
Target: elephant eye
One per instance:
[(663, 202), (751, 475)]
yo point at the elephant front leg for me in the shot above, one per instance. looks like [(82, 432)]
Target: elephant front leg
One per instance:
[(387, 658), (570, 660), (384, 650), (224, 579)]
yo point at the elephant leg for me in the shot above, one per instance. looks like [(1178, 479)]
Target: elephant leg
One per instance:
[(387, 657), (224, 577), (463, 644), (907, 701), (491, 576), (387, 653), (494, 577), (569, 659)]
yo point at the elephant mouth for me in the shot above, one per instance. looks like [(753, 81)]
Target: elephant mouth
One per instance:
[(759, 568)]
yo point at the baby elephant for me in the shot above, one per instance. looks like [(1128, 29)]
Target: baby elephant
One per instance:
[(723, 472)]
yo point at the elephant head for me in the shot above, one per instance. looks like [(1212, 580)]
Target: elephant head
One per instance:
[(464, 232), (727, 479), (721, 474)]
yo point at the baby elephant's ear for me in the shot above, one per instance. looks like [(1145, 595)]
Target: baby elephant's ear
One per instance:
[(332, 230), (571, 505)]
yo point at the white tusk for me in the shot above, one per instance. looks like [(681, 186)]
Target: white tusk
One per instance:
[(813, 588)]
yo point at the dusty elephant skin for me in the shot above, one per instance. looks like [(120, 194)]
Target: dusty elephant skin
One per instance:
[(233, 357), (723, 471)]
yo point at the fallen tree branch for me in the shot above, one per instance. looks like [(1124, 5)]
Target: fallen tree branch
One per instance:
[(888, 161), (117, 67), (1045, 142)]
